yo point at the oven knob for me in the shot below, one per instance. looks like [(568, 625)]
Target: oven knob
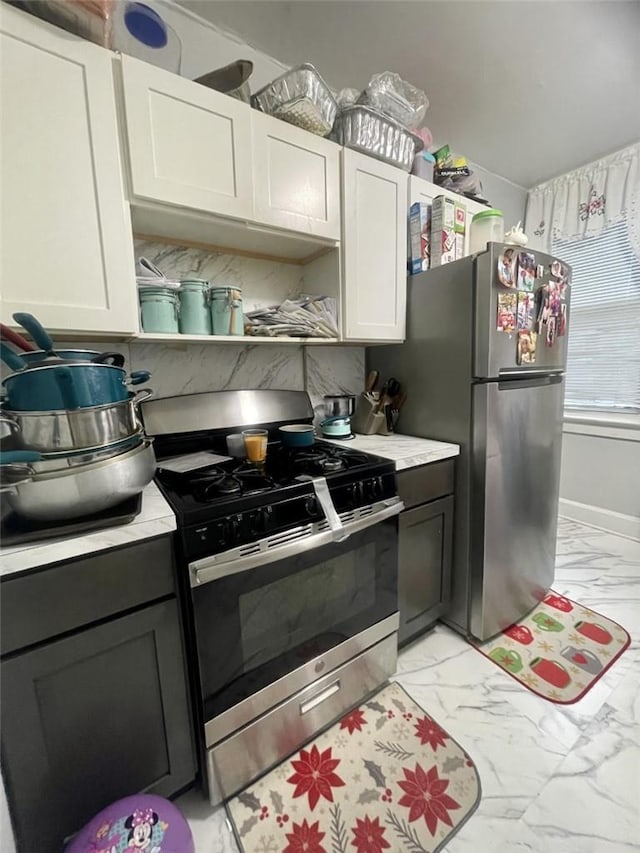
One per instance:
[(355, 493), (233, 529), (376, 487), (311, 507), (260, 520)]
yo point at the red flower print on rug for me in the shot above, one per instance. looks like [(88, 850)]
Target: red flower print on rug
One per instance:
[(314, 775), (424, 795), (428, 731), (384, 778), (369, 836), (353, 721), (305, 838)]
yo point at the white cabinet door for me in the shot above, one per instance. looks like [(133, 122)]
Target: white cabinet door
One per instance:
[(374, 246), (67, 249), (425, 191), (188, 145), (296, 178)]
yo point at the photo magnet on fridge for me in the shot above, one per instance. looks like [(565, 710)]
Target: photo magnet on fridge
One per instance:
[(527, 269), (506, 320), (527, 340), (526, 307), (562, 319), (555, 268), (506, 268)]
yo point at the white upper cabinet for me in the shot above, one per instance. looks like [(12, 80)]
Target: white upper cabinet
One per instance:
[(374, 249), (425, 191), (188, 145), (67, 250), (296, 178)]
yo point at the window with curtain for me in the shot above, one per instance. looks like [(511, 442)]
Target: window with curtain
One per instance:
[(590, 218), (603, 362)]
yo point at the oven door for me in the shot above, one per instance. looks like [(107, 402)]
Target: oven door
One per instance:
[(267, 632)]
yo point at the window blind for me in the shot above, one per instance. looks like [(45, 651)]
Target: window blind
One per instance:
[(603, 360)]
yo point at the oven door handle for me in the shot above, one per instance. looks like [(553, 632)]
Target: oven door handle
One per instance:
[(214, 568)]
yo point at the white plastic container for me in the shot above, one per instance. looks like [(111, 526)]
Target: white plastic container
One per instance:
[(423, 165), (486, 227)]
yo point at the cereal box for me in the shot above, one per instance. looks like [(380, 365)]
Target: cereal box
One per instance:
[(460, 226), (443, 242), (419, 228)]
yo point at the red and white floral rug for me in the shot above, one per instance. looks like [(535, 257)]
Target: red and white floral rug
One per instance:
[(385, 777), (559, 650)]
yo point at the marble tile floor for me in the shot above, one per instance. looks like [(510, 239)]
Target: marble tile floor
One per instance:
[(561, 778)]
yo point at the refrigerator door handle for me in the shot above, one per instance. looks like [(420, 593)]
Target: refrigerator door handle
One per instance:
[(528, 373), (518, 383)]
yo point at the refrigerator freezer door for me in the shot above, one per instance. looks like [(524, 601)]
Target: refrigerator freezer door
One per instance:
[(515, 478), (495, 353)]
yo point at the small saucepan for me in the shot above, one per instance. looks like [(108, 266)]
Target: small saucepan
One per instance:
[(297, 435)]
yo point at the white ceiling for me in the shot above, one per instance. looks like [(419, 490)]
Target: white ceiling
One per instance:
[(528, 90)]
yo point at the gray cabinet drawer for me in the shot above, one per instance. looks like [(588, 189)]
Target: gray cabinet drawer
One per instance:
[(426, 483), (68, 595)]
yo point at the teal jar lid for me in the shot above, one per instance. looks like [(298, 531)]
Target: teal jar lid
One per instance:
[(225, 290), (194, 284), (159, 296), (492, 211), (428, 156), (171, 289)]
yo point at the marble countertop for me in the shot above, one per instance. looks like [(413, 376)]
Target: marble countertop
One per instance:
[(406, 451), (155, 518)]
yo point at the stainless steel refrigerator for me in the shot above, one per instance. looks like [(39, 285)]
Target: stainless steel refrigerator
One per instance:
[(474, 378)]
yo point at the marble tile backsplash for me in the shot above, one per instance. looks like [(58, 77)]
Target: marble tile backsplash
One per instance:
[(191, 368), (332, 370)]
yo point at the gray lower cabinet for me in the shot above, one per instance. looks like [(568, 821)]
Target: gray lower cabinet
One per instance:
[(94, 715), (425, 537)]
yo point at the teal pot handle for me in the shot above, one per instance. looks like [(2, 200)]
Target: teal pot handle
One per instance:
[(64, 381), (10, 358), (137, 377), (35, 329), (10, 457)]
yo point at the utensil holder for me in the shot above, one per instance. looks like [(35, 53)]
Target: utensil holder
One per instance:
[(366, 421)]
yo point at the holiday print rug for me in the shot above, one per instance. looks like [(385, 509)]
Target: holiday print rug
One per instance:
[(559, 650), (385, 777)]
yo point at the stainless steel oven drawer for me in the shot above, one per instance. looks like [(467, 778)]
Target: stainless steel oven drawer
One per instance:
[(236, 761)]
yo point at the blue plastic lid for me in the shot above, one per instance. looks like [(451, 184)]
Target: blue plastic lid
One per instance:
[(146, 25), (428, 156)]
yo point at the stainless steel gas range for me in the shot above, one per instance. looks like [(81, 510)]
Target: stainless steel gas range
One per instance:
[(288, 573)]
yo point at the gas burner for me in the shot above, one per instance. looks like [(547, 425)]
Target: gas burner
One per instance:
[(245, 480), (229, 486), (332, 464)]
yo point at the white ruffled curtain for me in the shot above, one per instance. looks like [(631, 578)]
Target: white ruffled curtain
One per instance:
[(583, 202)]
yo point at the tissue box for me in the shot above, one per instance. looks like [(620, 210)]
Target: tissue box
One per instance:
[(443, 238), (419, 234), (460, 227)]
